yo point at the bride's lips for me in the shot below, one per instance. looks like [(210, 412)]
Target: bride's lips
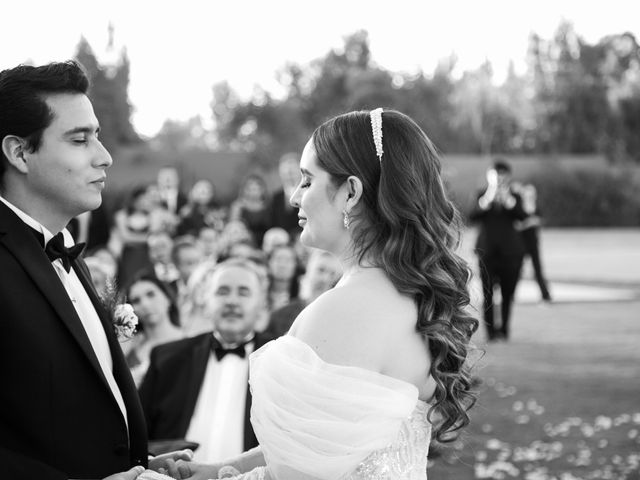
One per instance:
[(302, 221)]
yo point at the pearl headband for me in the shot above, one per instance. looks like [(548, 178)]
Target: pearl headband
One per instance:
[(376, 127)]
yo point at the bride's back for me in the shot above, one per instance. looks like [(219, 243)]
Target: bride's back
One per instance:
[(365, 322)]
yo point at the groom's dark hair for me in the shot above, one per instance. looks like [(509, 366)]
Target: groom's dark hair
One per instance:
[(23, 90)]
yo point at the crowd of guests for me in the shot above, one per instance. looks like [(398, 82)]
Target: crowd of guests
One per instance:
[(165, 245)]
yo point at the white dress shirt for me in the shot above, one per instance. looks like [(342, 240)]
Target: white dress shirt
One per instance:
[(217, 423), (81, 302)]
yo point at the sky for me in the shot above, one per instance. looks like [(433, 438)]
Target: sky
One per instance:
[(180, 49)]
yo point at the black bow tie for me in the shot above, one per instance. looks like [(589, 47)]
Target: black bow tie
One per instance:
[(221, 350), (55, 249)]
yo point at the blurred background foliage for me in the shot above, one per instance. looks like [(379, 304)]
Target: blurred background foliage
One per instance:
[(575, 100)]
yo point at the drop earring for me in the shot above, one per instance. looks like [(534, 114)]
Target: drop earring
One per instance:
[(346, 220)]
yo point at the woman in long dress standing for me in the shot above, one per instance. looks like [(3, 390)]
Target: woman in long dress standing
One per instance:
[(377, 365)]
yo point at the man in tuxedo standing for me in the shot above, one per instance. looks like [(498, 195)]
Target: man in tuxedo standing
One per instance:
[(283, 215), (172, 197), (68, 404), (197, 388), (499, 246)]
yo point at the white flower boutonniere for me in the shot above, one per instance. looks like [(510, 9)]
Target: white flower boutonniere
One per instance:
[(125, 321)]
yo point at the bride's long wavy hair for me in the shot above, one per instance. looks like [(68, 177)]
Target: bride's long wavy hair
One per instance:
[(405, 225)]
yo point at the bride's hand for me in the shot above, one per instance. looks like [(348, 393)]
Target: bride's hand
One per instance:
[(193, 471), (167, 462)]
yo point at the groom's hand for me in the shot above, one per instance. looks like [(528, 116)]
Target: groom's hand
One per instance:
[(170, 463)]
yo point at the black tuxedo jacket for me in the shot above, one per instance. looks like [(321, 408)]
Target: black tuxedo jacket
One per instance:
[(180, 201), (58, 417), (498, 240), (170, 389)]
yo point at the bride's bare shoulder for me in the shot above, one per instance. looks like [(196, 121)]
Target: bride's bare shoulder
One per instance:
[(345, 323)]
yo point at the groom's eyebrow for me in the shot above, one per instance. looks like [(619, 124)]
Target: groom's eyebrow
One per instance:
[(87, 129), (306, 172)]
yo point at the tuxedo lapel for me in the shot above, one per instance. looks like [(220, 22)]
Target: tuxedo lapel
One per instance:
[(121, 371), (17, 238), (199, 360)]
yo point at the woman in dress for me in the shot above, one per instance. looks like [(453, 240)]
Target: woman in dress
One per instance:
[(252, 207), (284, 277), (377, 365), (158, 321), (199, 212)]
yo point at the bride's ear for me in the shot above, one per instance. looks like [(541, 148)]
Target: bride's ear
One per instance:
[(354, 192)]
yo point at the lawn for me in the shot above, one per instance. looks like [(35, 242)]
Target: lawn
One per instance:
[(561, 399)]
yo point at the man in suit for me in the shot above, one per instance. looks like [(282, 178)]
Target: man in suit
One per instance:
[(172, 197), (529, 229), (68, 405), (499, 246), (197, 388), (283, 215)]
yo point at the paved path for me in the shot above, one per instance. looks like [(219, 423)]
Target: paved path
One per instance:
[(563, 292), (582, 265)]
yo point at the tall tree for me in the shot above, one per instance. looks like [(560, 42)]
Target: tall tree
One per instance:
[(109, 94)]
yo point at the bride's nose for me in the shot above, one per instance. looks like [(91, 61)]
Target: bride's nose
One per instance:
[(294, 200)]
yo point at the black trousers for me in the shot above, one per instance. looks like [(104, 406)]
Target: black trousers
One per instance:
[(505, 273), (530, 240)]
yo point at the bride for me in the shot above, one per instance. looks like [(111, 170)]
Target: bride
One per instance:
[(374, 367)]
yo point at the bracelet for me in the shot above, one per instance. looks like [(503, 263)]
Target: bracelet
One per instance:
[(228, 472)]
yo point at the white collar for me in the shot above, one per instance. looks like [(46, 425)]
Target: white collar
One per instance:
[(37, 226)]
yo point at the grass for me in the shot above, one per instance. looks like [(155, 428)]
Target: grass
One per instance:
[(560, 400)]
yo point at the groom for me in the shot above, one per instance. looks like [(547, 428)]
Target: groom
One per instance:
[(68, 405)]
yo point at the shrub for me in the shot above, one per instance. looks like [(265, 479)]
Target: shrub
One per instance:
[(582, 197)]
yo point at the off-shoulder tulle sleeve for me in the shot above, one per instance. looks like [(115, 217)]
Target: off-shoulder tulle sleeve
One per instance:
[(316, 420)]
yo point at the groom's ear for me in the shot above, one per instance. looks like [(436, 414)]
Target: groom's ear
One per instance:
[(14, 149)]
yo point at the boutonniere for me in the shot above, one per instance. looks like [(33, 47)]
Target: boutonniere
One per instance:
[(123, 317), (125, 321)]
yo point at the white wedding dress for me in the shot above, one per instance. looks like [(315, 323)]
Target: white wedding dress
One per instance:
[(320, 421)]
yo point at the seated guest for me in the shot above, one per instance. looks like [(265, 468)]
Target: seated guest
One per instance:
[(194, 314), (284, 270), (158, 321), (234, 231), (322, 273), (186, 256), (160, 254), (252, 207), (197, 388), (274, 237), (198, 213), (243, 249), (209, 241)]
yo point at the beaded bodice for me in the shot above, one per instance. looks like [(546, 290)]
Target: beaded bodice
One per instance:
[(404, 459)]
